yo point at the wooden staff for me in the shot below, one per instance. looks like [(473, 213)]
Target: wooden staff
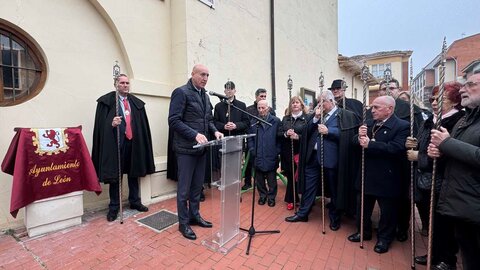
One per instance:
[(434, 167), (116, 73), (322, 174), (364, 116), (412, 194), (290, 86)]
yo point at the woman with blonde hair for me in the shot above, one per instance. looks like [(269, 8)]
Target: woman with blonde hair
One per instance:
[(293, 123)]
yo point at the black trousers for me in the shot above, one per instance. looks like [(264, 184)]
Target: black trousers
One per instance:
[(269, 192), (248, 170), (133, 189), (388, 216), (468, 237), (289, 192)]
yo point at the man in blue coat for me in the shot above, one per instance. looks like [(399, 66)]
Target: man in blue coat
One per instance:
[(266, 154), (190, 118), (383, 139)]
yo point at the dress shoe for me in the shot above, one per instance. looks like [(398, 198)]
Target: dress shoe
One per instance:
[(289, 206), (422, 260), (356, 237), (296, 218), (381, 247), (334, 225), (187, 232), (139, 207), (262, 201), (200, 222), (112, 215), (271, 203), (444, 266), (402, 236), (246, 187)]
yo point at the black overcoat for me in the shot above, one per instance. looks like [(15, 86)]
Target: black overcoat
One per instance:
[(383, 166)]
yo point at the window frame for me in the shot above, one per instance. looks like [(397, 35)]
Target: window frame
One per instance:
[(13, 33)]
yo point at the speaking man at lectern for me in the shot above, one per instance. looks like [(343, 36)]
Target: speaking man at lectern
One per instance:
[(190, 118)]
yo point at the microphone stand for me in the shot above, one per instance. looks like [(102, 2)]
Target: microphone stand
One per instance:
[(251, 231)]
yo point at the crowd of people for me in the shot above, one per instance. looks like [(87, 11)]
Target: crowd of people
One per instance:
[(319, 152)]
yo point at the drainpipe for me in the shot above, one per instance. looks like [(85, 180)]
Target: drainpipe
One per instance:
[(272, 53)]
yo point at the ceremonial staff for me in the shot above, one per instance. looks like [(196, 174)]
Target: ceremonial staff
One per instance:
[(434, 167), (290, 86), (344, 89), (321, 82), (412, 194), (364, 116), (387, 74), (116, 74)]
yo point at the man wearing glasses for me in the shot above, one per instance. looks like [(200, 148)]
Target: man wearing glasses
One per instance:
[(460, 193), (338, 89)]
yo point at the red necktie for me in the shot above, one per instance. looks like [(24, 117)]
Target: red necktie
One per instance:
[(128, 129)]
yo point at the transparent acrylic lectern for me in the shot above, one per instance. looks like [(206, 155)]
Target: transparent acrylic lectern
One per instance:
[(225, 183)]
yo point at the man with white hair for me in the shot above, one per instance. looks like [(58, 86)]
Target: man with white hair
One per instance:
[(383, 139), (339, 160), (265, 153)]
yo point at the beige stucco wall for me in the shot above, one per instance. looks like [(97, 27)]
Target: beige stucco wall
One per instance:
[(81, 40), (157, 43)]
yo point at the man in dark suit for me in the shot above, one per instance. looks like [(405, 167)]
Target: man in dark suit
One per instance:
[(402, 111), (135, 144), (383, 139), (229, 120), (190, 117), (339, 127), (338, 89)]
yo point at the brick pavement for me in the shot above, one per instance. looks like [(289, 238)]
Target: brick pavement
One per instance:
[(98, 244)]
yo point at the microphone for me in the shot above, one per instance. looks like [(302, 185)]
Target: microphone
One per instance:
[(220, 96)]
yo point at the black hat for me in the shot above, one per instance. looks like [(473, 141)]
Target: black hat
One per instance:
[(338, 84)]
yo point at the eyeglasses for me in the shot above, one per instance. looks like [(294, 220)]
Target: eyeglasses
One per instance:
[(470, 85), (390, 88), (432, 99), (263, 96)]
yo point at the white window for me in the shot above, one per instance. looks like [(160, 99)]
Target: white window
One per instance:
[(379, 69)]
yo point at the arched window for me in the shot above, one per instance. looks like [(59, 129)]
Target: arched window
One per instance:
[(22, 69)]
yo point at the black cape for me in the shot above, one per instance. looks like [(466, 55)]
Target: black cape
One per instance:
[(104, 149)]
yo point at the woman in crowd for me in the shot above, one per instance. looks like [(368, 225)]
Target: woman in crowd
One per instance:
[(444, 246), (293, 123)]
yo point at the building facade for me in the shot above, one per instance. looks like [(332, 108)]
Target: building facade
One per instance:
[(69, 48), (396, 61)]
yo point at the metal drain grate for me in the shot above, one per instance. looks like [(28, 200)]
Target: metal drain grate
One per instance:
[(159, 221)]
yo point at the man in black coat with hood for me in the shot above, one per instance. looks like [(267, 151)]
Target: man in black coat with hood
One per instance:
[(135, 144)]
